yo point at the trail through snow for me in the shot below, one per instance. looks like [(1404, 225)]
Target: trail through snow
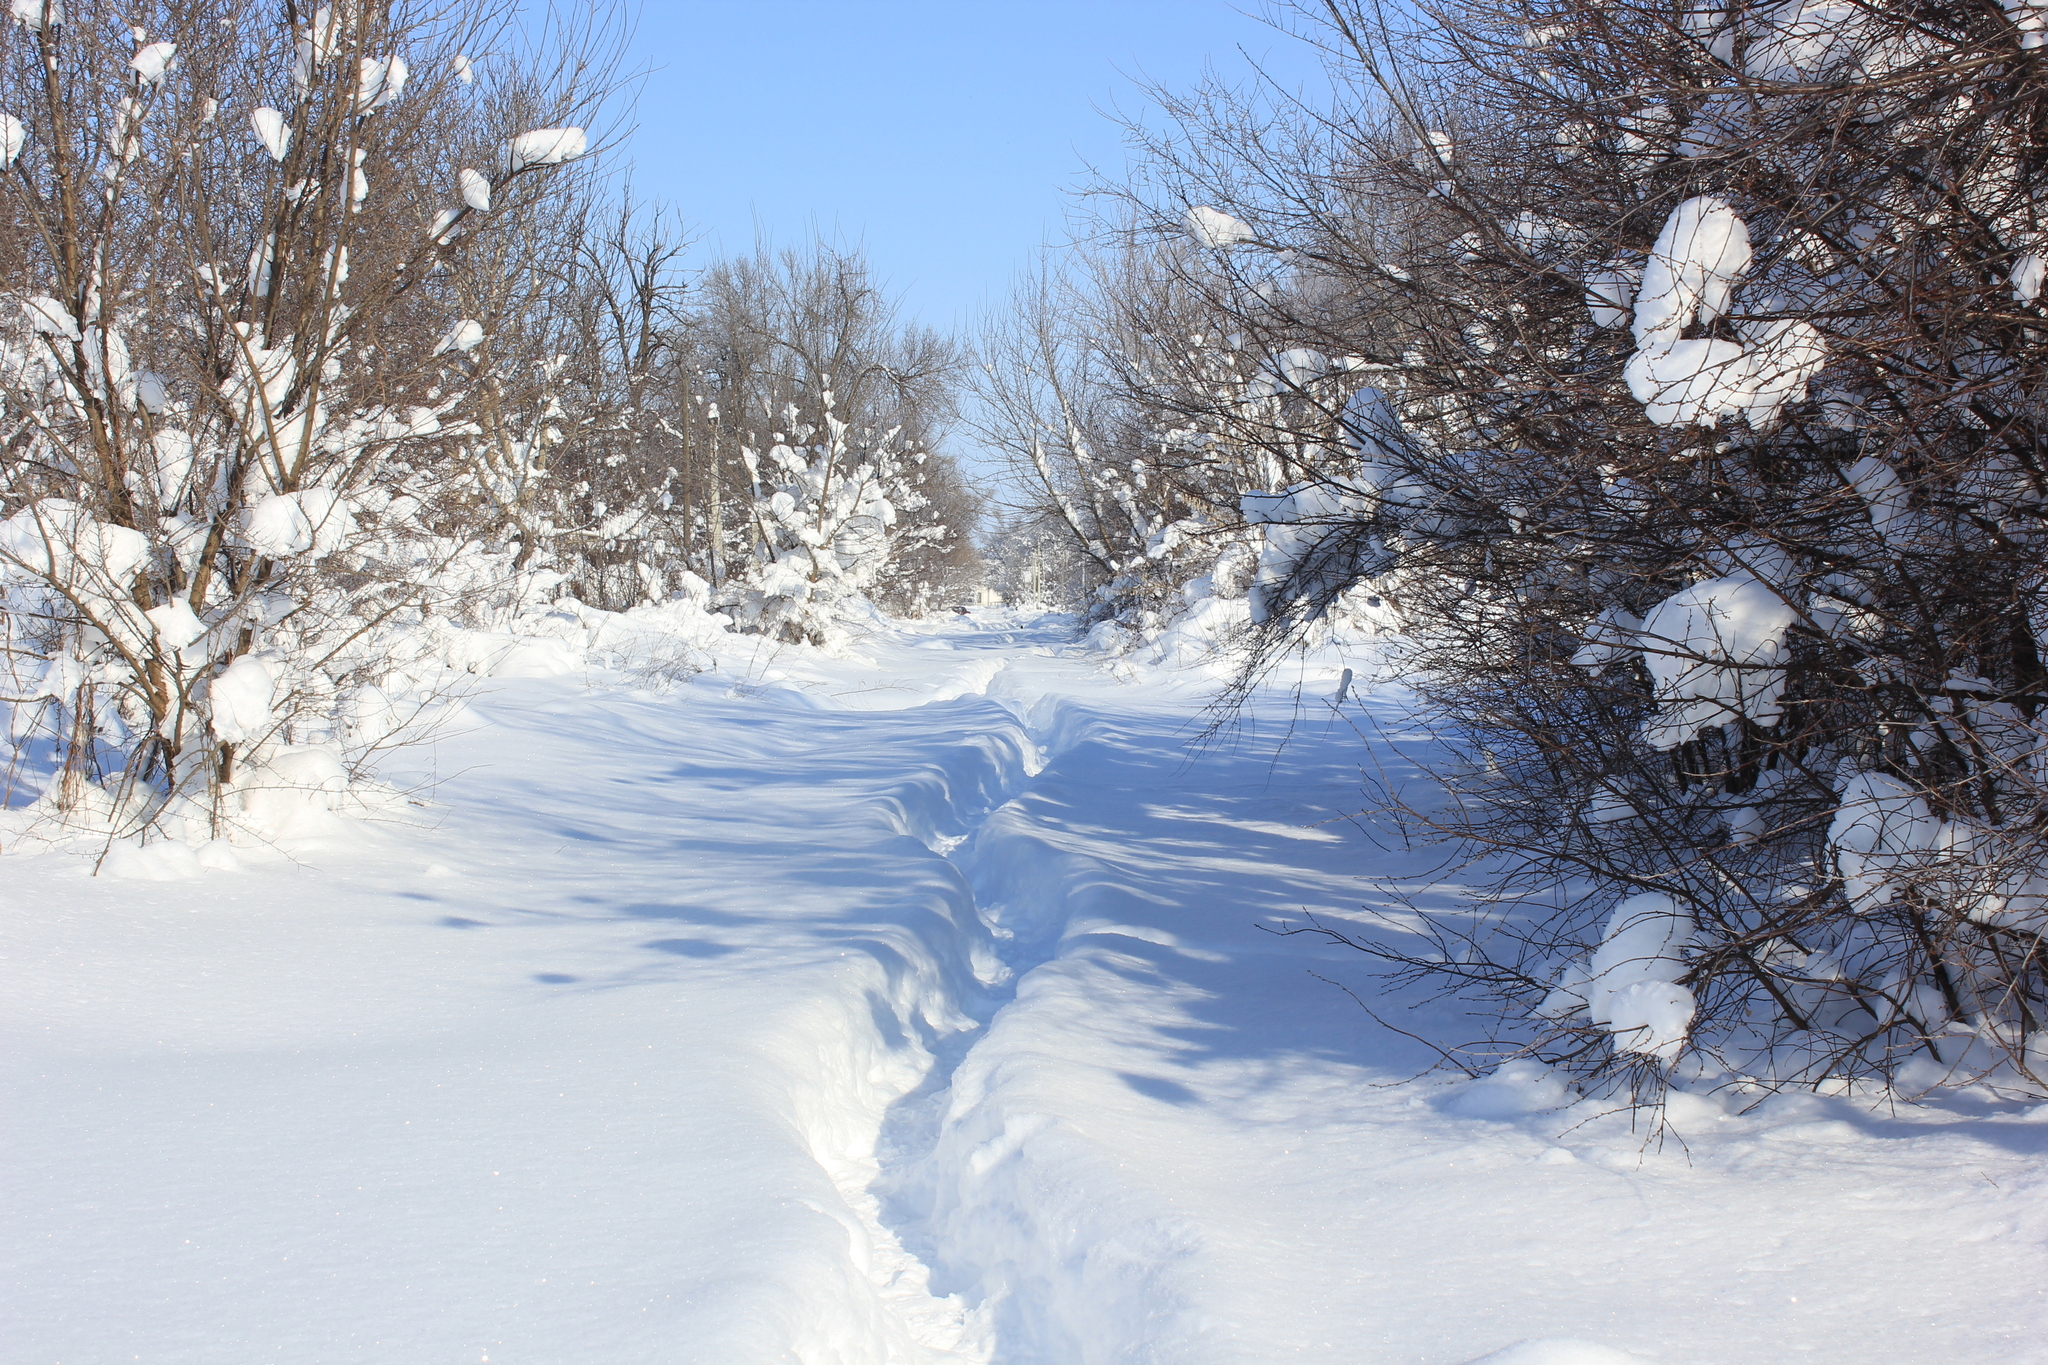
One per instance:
[(912, 1009)]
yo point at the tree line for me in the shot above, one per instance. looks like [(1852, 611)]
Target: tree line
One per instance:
[(324, 328)]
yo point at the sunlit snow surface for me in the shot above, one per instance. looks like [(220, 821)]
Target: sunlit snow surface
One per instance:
[(895, 1010)]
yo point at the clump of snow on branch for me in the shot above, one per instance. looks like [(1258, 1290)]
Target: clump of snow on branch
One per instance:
[(273, 132), (1689, 280), (1630, 986), (1717, 653), (545, 147), (1215, 228)]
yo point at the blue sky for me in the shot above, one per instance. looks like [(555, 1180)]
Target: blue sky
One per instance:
[(940, 134)]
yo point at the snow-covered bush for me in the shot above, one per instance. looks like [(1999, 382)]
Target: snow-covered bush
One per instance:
[(824, 521), (830, 412), (234, 479), (1682, 380)]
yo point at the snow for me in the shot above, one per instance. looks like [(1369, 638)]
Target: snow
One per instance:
[(175, 451), (1631, 986), (13, 135), (50, 317), (1884, 494), (151, 62), (61, 541), (476, 189), (1682, 382), (1714, 651), (465, 336), (2028, 272), (1610, 637), (903, 1007), (1299, 367), (1295, 526), (1700, 254), (1785, 355), (277, 526), (2030, 17), (1690, 279), (379, 81), (33, 14), (327, 513), (1215, 228), (241, 697), (1558, 1352), (273, 132), (545, 147), (1614, 285), (1882, 830), (175, 623)]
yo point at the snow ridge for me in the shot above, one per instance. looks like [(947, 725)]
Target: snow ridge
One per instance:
[(938, 806), (1018, 1211)]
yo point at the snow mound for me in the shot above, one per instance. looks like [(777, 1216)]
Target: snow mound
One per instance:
[(1513, 1089), (1631, 986)]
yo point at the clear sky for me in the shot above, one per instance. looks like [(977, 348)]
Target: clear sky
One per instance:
[(940, 134)]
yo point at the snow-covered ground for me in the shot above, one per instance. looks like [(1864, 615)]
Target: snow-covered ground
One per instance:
[(906, 1009)]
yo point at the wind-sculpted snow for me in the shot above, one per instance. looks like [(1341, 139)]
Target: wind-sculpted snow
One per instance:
[(911, 1009)]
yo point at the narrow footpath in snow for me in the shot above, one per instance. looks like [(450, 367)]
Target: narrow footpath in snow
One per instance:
[(915, 1008)]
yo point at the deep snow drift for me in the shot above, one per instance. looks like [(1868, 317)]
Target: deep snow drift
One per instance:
[(905, 1009)]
